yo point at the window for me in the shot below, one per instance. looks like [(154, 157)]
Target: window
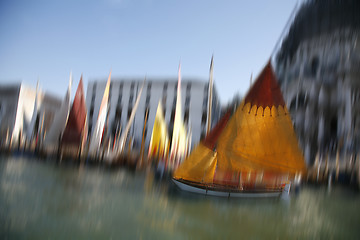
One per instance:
[(119, 99), (186, 116), (164, 100), (118, 113), (172, 115), (187, 101), (203, 118), (188, 88)]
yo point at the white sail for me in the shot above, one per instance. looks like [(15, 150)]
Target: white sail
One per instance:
[(123, 137), (60, 119), (178, 143), (30, 129), (97, 133)]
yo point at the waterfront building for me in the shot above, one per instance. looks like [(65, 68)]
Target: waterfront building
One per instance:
[(122, 95), (16, 108), (318, 69)]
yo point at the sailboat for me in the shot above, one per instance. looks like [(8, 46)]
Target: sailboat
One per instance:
[(97, 133), (31, 126), (75, 131), (255, 153), (159, 138), (179, 140), (53, 136)]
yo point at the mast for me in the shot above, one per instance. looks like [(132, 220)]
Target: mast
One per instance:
[(210, 95), (142, 148)]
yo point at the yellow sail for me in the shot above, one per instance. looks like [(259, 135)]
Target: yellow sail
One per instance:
[(199, 166), (159, 139)]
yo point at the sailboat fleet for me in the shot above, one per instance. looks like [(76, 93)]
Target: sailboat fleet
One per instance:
[(251, 151)]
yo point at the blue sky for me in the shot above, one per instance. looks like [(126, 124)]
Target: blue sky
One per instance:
[(48, 39)]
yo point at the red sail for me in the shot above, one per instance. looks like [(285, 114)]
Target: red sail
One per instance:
[(266, 91), (75, 129)]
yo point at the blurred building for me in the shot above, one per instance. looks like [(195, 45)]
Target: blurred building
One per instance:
[(318, 69), (16, 109), (122, 97)]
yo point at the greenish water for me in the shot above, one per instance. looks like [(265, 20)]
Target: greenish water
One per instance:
[(43, 200)]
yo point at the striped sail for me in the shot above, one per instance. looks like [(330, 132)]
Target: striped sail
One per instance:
[(97, 132), (60, 119)]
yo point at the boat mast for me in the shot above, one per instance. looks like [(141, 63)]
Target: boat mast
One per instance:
[(210, 95)]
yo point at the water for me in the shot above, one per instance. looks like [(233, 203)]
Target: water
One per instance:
[(44, 200)]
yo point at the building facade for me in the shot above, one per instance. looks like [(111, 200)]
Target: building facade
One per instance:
[(122, 97), (318, 69)]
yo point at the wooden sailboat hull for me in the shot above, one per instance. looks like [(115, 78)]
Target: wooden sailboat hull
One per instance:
[(234, 193)]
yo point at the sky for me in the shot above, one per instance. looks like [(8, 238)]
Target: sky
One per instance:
[(46, 40)]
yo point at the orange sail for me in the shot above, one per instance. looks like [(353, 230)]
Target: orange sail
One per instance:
[(260, 135), (75, 130)]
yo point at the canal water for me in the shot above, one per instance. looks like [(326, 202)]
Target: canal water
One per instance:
[(45, 200)]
